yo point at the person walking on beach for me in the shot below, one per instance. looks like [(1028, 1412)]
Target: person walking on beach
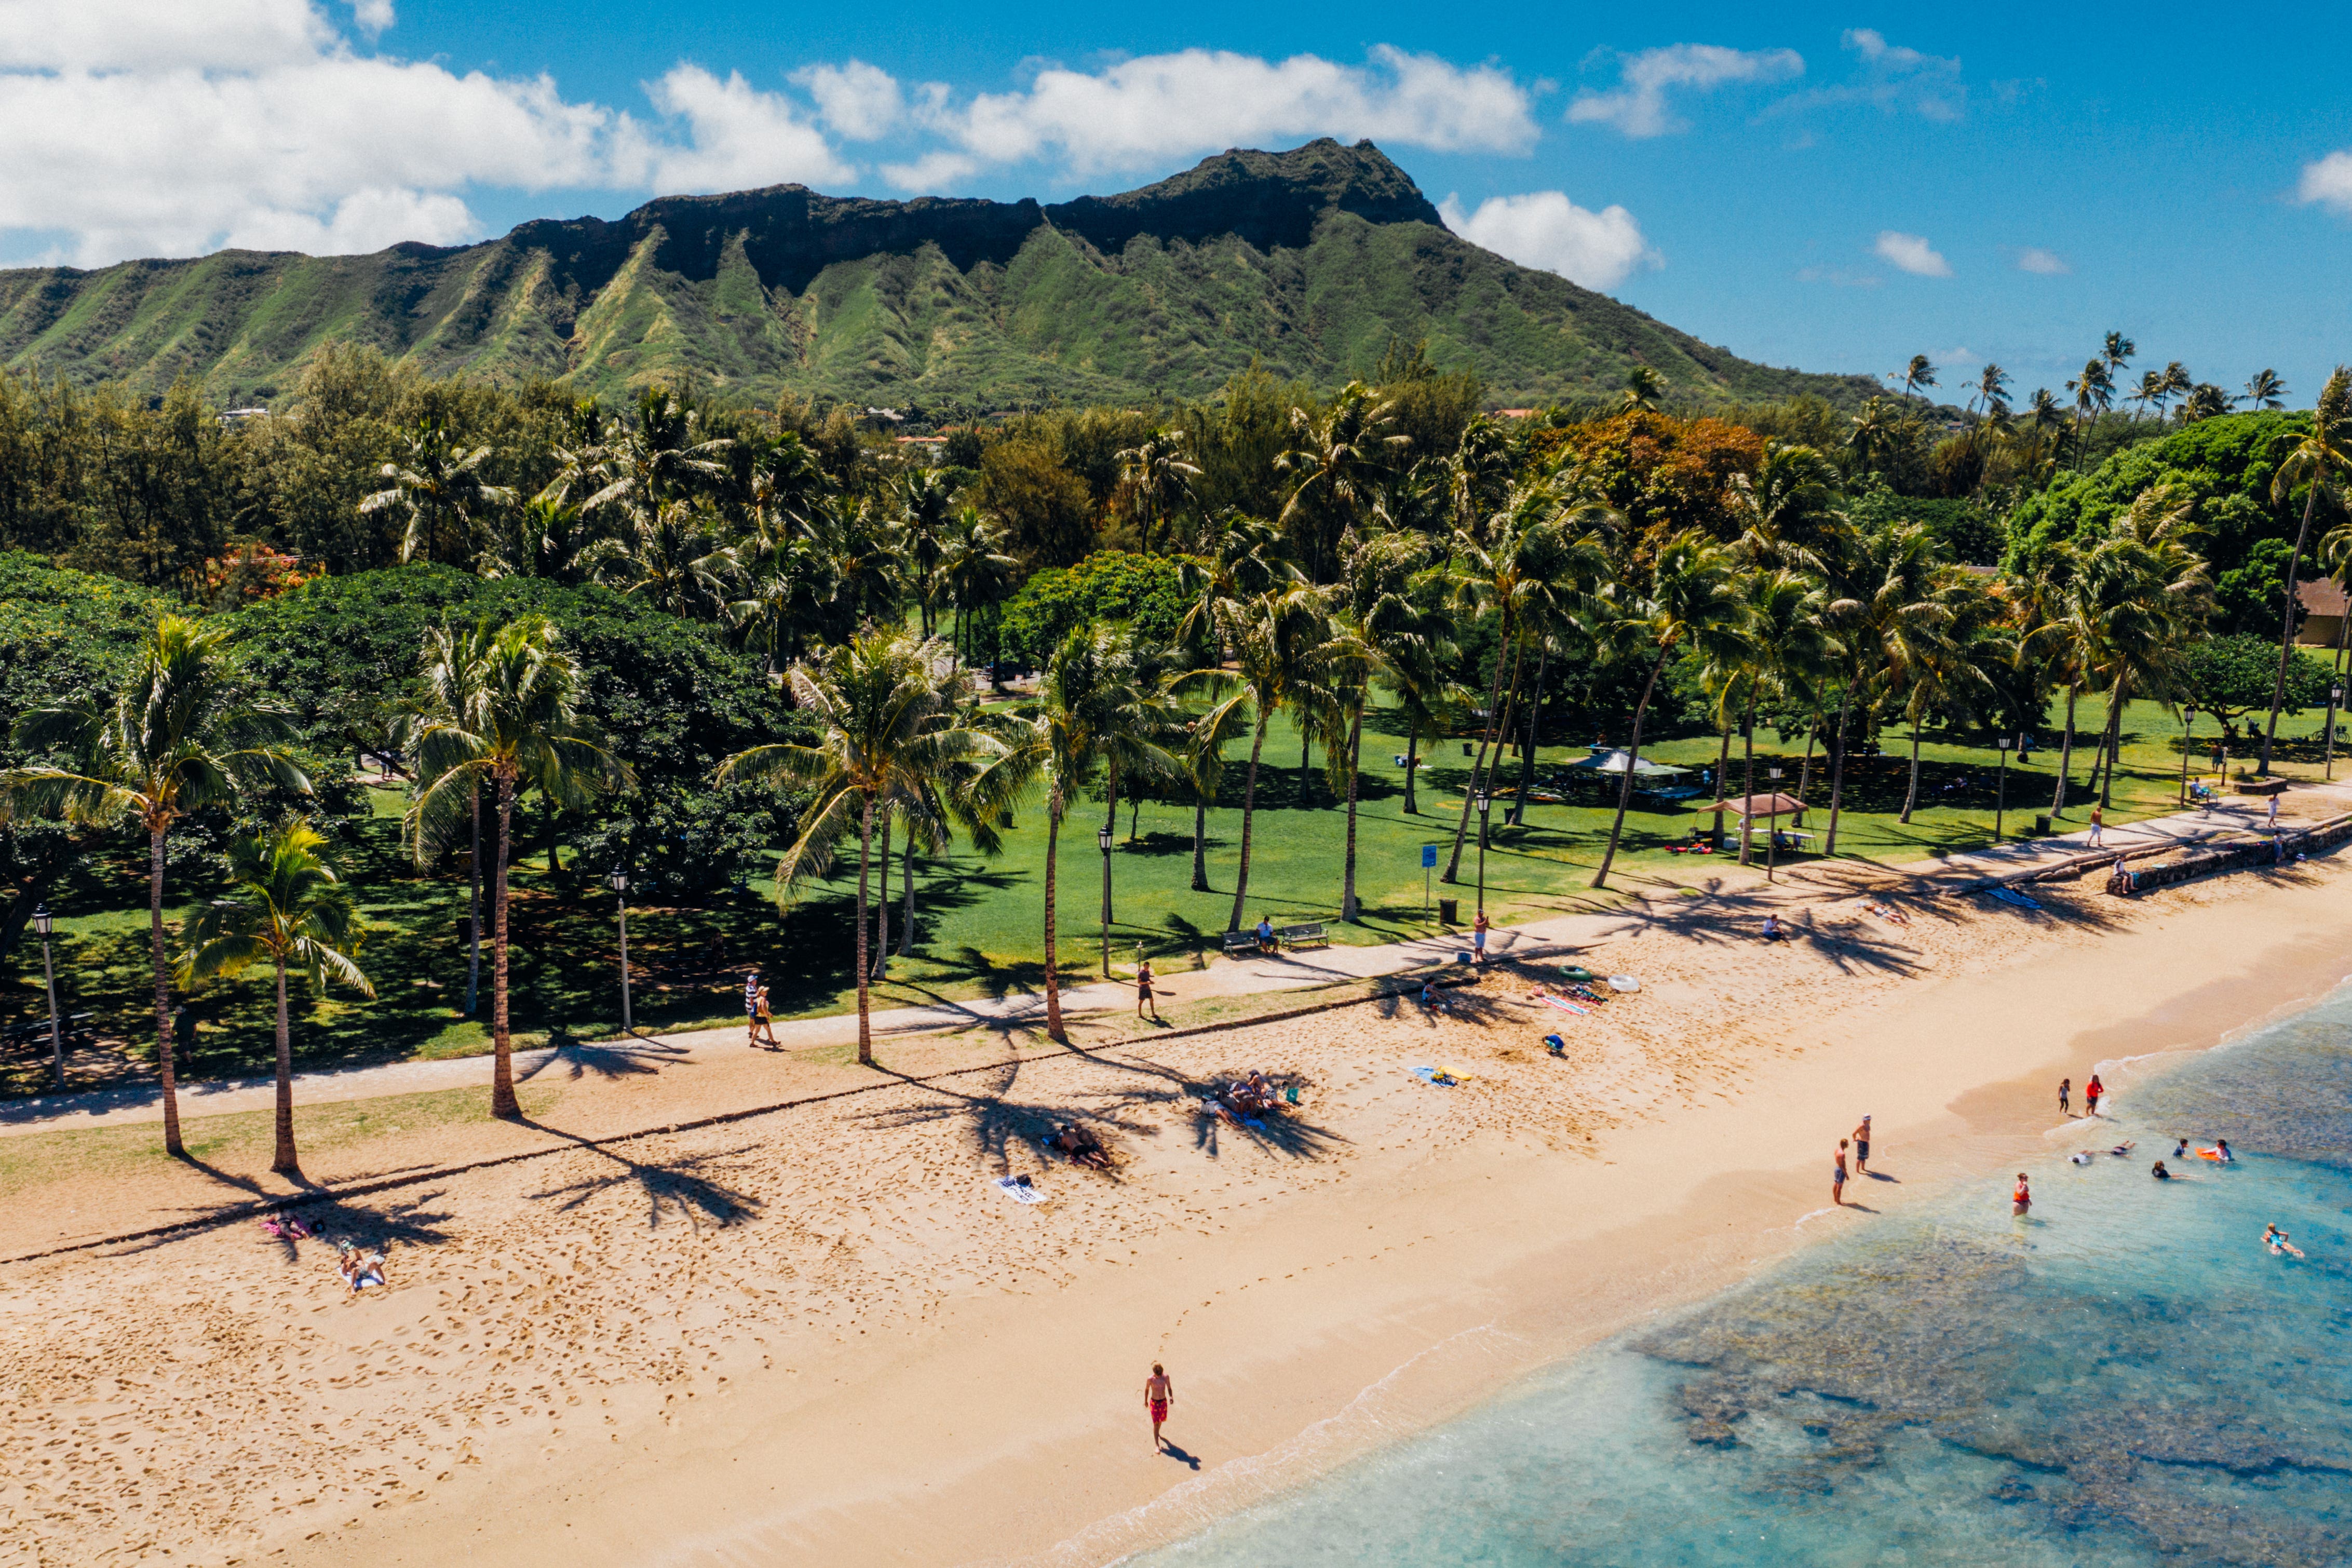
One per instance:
[(2022, 1199), (1478, 939), (1837, 1177), (1862, 1148), (1159, 1394), (2098, 826), (752, 1007), (1143, 997), (2091, 1092), (2065, 1093), (763, 1020)]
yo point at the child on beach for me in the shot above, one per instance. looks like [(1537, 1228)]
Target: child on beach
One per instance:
[(1837, 1177), (1159, 1394), (2022, 1199), (751, 1007), (2091, 1092), (2066, 1090)]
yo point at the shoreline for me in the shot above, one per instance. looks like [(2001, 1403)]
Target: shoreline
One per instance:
[(946, 1379)]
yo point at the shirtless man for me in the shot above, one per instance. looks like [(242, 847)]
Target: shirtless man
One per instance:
[(1862, 1148), (1159, 1394)]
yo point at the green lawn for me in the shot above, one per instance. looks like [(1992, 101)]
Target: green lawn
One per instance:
[(980, 921)]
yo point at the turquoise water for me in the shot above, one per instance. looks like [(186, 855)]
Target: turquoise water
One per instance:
[(2128, 1377)]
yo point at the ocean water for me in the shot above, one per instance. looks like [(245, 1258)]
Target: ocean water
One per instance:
[(2127, 1377)]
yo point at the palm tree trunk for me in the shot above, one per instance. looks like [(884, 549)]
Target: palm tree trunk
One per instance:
[(1249, 807), (1911, 796), (1052, 972), (1199, 841), (864, 857), (1110, 820), (284, 1162), (2115, 737), (1838, 750), (1528, 754), (474, 903), (172, 1144), (1722, 777), (1632, 757), (1477, 765), (1355, 765), (1306, 762), (2286, 629), (2065, 752), (502, 1091), (907, 919), (1504, 724), (1805, 774), (882, 908), (1748, 781), (1412, 754)]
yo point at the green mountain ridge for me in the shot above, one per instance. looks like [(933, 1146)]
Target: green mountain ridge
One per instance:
[(1311, 262)]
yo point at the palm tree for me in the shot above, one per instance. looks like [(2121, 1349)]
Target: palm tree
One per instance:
[(1792, 652), (1888, 581), (2265, 390), (440, 483), (1789, 508), (665, 457), (506, 716), (1156, 477), (1283, 647), (1242, 560), (2116, 352), (1687, 591), (1225, 721), (924, 499), (2318, 463), (670, 557), (890, 726), (2093, 393), (1644, 389), (1339, 457), (296, 914), (2151, 392), (1917, 375), (789, 587), (1991, 388), (974, 569), (1873, 434), (179, 735)]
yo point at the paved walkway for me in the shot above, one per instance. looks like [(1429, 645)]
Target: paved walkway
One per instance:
[(1738, 895)]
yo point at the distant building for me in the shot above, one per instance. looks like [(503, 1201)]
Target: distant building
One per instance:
[(2322, 599)]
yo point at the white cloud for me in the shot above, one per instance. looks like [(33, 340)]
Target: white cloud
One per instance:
[(2328, 183), (1911, 253), (1159, 107), (931, 173), (1544, 229), (372, 16), (362, 222), (738, 138), (1894, 79), (1638, 108), (2048, 263), (856, 101)]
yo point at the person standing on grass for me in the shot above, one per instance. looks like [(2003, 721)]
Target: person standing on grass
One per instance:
[(1862, 1148), (2065, 1097), (2098, 826), (1159, 1394), (1143, 997), (1837, 1177), (2091, 1092)]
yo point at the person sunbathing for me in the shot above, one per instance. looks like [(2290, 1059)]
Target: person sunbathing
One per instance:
[(1082, 1147)]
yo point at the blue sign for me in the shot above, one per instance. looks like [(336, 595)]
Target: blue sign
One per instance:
[(1428, 856)]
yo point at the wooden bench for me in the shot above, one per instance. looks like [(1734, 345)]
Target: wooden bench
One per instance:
[(36, 1033), (1240, 941), (1311, 934)]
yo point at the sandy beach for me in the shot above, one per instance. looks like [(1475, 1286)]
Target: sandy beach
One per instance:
[(824, 1334)]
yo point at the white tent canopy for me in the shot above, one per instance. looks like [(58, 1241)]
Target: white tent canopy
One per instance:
[(1609, 759)]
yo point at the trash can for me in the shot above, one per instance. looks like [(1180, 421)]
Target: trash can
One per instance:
[(1449, 911), (2041, 825), (1466, 748)]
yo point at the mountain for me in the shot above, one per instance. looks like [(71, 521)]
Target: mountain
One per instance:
[(1311, 261)]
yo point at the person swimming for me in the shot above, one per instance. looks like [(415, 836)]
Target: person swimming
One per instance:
[(2120, 1150), (2276, 1239), (2160, 1173)]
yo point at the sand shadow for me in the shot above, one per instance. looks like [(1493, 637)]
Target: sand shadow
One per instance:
[(680, 1184), (1172, 1451)]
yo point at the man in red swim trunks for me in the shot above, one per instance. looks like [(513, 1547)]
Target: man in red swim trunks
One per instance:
[(1159, 1394)]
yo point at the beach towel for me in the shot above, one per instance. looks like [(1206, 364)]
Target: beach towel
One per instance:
[(1567, 1006), (1019, 1192), (2011, 896), (1439, 1076)]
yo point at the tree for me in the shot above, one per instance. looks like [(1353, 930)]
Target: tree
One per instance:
[(1918, 373), (1156, 477), (1338, 456), (1687, 590), (2232, 676), (1991, 388), (2265, 390), (295, 914), (438, 485), (890, 727), (671, 557), (507, 715), (2318, 463), (2093, 393), (923, 499), (1644, 389), (1884, 604), (180, 735)]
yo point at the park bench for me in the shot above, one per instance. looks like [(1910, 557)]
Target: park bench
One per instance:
[(1240, 941), (36, 1033), (1311, 934)]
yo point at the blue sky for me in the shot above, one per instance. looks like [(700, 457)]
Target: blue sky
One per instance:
[(1822, 187)]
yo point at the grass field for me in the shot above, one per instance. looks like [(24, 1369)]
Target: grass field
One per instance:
[(980, 922)]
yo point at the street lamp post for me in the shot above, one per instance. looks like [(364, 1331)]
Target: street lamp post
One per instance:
[(1102, 838), (1485, 804), (1771, 826), (44, 924), (2188, 744), (2000, 796), (2334, 700), (620, 881)]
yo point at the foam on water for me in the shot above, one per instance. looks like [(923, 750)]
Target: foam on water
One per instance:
[(2128, 1377)]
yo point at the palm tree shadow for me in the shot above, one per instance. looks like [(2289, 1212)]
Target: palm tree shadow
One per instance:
[(327, 1219), (682, 1184)]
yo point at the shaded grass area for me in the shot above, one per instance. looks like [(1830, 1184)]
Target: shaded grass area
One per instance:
[(980, 922)]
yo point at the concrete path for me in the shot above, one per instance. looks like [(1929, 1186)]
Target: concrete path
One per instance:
[(1740, 895)]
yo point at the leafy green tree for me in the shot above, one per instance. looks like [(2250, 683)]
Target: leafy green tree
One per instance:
[(2319, 463), (180, 734), (510, 720), (1917, 375), (2265, 390), (293, 914), (1155, 479), (1338, 458), (1048, 513), (439, 486), (2231, 677)]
